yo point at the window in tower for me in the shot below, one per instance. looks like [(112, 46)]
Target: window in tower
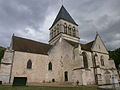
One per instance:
[(52, 33), (58, 26), (56, 30), (69, 30), (74, 33), (65, 28)]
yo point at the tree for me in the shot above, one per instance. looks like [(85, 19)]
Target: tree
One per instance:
[(2, 50), (115, 55)]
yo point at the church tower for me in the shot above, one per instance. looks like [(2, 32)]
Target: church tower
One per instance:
[(64, 27)]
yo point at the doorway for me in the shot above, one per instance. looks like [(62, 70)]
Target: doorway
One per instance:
[(19, 81), (66, 76)]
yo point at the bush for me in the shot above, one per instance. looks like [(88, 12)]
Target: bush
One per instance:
[(2, 50)]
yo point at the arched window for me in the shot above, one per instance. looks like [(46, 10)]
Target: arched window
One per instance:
[(65, 28), (96, 61), (29, 64), (58, 26), (74, 33), (85, 61), (102, 60), (52, 35), (55, 31), (69, 30), (50, 66)]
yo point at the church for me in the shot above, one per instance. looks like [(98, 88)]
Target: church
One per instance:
[(63, 60)]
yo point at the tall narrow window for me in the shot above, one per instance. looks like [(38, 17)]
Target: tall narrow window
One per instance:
[(96, 60), (52, 34), (69, 30), (55, 33), (58, 26), (50, 66), (85, 61), (102, 61), (29, 64), (65, 28), (74, 33)]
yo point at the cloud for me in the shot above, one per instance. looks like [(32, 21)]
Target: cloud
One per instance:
[(102, 16), (22, 17), (32, 19)]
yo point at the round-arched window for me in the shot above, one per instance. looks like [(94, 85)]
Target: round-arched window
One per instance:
[(102, 60), (29, 64), (65, 28), (74, 32), (50, 66)]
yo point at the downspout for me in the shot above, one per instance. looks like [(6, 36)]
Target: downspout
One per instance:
[(11, 50), (11, 66)]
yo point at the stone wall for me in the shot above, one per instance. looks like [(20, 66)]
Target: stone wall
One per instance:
[(5, 66)]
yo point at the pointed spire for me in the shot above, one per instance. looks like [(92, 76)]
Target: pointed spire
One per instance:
[(63, 14)]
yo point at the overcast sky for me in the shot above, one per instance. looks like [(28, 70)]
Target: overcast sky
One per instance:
[(32, 19)]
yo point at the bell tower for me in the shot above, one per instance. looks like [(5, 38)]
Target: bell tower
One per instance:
[(64, 27)]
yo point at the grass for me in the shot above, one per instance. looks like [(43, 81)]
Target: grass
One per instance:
[(46, 88)]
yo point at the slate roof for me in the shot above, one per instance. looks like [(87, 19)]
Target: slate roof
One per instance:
[(63, 14), (75, 44), (26, 45), (87, 46)]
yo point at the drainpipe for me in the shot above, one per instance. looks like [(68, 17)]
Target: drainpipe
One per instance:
[(11, 66)]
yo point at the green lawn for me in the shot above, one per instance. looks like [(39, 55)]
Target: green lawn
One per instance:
[(46, 88)]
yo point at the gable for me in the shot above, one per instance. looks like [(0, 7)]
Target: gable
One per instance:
[(99, 45)]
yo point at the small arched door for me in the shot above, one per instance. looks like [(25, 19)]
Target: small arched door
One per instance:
[(66, 75)]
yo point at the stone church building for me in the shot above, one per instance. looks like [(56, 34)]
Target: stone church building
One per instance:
[(63, 60)]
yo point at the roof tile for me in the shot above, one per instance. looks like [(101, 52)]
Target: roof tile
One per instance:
[(26, 45)]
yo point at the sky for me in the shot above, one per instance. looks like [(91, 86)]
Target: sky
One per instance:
[(32, 19)]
